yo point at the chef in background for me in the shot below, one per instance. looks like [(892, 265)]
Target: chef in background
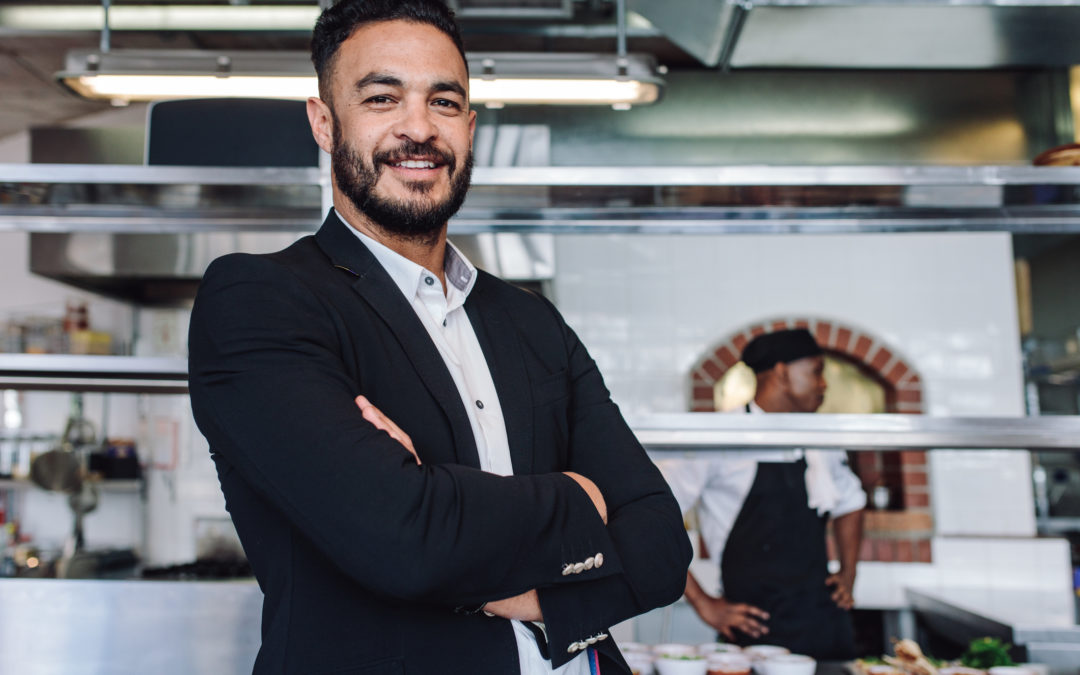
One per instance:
[(763, 517)]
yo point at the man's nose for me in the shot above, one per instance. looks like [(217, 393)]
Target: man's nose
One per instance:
[(415, 123)]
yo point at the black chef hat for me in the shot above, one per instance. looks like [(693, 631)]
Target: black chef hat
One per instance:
[(782, 346)]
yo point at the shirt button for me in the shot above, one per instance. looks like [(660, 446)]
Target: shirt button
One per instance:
[(429, 281), (480, 404), (444, 323)]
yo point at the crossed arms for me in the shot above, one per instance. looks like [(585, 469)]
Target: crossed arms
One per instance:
[(526, 606)]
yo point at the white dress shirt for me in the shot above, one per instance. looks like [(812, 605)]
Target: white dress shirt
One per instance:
[(717, 483), (445, 320)]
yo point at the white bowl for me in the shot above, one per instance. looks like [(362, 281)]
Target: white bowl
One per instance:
[(787, 664), (1012, 670), (673, 649), (759, 652), (885, 669), (728, 664), (959, 670), (694, 665), (718, 648), (640, 663)]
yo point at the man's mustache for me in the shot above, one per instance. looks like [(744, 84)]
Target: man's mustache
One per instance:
[(414, 150)]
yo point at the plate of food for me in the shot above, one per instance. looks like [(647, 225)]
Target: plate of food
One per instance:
[(984, 656)]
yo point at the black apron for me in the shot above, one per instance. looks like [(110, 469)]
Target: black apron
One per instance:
[(775, 558)]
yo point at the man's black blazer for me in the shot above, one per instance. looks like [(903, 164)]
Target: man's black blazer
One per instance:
[(366, 559)]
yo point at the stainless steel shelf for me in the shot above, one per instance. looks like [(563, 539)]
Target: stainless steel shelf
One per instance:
[(569, 176), (680, 433), (564, 199), (103, 485), (137, 174), (70, 372)]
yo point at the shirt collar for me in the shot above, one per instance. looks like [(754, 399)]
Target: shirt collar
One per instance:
[(407, 275)]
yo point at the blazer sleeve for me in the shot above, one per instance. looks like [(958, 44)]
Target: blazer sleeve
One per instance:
[(645, 524), (270, 392)]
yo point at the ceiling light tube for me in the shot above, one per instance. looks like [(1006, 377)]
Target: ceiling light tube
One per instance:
[(159, 17), (499, 79)]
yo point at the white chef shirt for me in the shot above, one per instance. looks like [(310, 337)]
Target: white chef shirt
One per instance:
[(717, 483), (445, 320)]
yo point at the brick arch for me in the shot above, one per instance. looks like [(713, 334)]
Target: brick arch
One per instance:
[(901, 535), (871, 354)]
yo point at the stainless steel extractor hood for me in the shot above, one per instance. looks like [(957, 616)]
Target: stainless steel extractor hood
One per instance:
[(870, 33), (165, 269)]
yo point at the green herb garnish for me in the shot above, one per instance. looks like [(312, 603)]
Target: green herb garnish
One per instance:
[(984, 653)]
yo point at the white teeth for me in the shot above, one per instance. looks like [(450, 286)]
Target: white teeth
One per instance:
[(416, 164)]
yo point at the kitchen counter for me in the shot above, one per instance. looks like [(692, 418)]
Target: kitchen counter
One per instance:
[(1044, 622), (79, 627)]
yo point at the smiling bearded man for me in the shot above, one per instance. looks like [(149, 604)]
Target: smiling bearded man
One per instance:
[(423, 464)]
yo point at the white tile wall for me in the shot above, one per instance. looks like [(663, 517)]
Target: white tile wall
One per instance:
[(649, 307), (1000, 563), (982, 492)]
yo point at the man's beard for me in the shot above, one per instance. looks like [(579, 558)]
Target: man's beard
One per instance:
[(420, 220)]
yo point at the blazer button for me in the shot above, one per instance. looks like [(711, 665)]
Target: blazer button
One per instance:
[(602, 636), (592, 640), (589, 562), (578, 567), (598, 559), (567, 570), (572, 648)]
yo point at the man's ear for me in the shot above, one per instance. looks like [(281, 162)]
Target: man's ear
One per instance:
[(780, 374), (322, 123)]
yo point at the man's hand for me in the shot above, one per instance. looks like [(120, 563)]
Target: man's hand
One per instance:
[(842, 584), (593, 492), (728, 617), (524, 607), (381, 421)]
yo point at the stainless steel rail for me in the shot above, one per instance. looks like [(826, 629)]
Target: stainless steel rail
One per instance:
[(571, 176), (70, 372), (661, 434), (568, 200), (679, 433)]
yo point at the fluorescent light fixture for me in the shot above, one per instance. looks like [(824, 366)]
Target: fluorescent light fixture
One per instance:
[(496, 78), (163, 87), (159, 17)]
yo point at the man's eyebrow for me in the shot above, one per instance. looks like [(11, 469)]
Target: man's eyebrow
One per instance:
[(450, 86), (378, 78)]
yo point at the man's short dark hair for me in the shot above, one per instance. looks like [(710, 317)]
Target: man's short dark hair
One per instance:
[(340, 21)]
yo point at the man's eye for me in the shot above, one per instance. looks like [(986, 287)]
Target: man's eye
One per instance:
[(447, 103), (378, 100)]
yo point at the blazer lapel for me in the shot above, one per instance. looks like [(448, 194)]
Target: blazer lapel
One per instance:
[(502, 350), (376, 287)]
